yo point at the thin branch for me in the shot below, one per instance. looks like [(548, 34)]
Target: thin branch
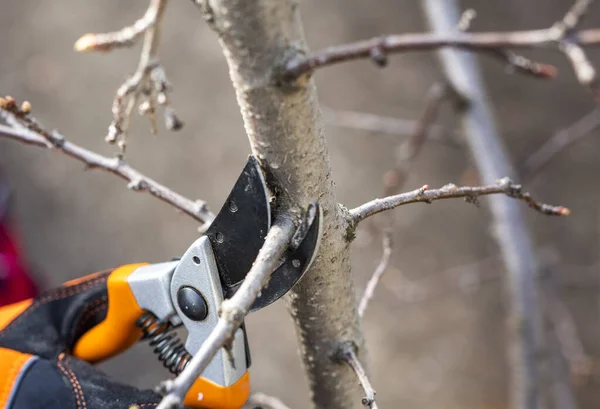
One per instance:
[(381, 267), (125, 37), (450, 191), (380, 47), (559, 142), (264, 401), (232, 313), (149, 82), (347, 354), (30, 132), (565, 30)]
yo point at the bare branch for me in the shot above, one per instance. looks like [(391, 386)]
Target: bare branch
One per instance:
[(450, 191), (381, 267), (125, 37), (233, 311), (559, 142), (584, 70), (261, 400), (347, 353), (149, 82), (565, 31), (494, 42), (30, 132)]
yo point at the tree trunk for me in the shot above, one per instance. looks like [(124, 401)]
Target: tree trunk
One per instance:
[(286, 133)]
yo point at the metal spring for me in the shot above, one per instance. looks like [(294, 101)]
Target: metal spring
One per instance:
[(167, 345)]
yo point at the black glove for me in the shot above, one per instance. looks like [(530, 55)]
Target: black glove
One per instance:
[(37, 336)]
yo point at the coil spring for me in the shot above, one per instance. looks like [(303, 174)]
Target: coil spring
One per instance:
[(167, 345)]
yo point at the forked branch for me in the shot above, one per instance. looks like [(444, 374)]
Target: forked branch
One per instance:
[(450, 191), (149, 82), (562, 35), (23, 128)]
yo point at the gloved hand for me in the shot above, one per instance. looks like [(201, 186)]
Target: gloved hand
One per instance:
[(37, 336)]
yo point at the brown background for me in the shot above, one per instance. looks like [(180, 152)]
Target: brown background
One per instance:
[(444, 352)]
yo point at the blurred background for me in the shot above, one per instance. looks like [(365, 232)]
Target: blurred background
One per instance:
[(436, 330)]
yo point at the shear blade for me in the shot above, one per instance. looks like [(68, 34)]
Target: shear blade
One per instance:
[(238, 232), (296, 263)]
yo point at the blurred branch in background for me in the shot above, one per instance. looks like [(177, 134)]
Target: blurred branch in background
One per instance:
[(24, 128), (391, 126), (395, 179), (149, 80), (559, 142), (514, 239)]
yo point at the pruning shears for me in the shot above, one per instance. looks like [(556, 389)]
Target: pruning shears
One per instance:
[(148, 301)]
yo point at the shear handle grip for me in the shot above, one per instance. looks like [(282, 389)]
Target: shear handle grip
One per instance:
[(118, 330)]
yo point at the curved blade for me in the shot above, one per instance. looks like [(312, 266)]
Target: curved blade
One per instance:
[(304, 249), (238, 232)]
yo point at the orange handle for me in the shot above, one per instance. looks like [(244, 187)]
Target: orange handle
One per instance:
[(118, 330), (206, 394)]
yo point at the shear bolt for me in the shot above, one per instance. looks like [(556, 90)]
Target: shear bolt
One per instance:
[(192, 303)]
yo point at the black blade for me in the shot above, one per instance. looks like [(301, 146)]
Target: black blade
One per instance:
[(299, 258), (238, 232)]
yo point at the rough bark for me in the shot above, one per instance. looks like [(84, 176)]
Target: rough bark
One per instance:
[(286, 134), (513, 238)]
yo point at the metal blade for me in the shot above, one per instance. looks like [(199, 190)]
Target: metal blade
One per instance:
[(299, 258), (238, 232)]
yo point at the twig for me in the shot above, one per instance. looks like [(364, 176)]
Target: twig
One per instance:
[(559, 141), (381, 267), (232, 312), (33, 134), (368, 122), (565, 31), (450, 191), (347, 353), (125, 37), (264, 401), (380, 47), (149, 80)]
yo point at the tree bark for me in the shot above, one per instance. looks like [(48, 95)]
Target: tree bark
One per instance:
[(286, 133), (513, 238)]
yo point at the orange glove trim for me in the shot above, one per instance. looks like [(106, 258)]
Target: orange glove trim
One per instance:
[(10, 312), (11, 363)]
